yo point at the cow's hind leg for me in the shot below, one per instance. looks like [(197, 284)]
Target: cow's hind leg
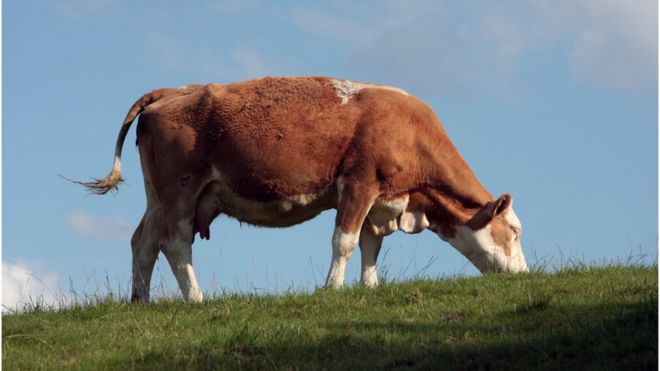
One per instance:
[(352, 209), (178, 250), (369, 247), (145, 250)]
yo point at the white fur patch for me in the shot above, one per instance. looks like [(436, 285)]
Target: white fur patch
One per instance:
[(185, 275), (116, 165), (480, 248), (413, 222), (345, 90), (513, 220), (272, 213), (369, 247), (342, 248), (384, 213), (369, 276), (179, 255), (343, 241), (303, 199), (348, 89)]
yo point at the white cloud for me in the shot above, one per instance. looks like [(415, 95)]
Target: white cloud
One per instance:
[(235, 6), (609, 42), (250, 62), (315, 20), (243, 62), (617, 44), (433, 47), (107, 228), (82, 9), (25, 285), (422, 46), (169, 52)]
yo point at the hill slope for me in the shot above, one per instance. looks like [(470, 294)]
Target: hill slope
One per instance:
[(591, 318)]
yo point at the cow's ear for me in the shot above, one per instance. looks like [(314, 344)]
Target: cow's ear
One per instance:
[(501, 204), (490, 211)]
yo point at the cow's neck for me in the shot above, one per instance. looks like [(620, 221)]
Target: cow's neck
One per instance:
[(454, 198)]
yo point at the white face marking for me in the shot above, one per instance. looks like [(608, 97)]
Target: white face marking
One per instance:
[(517, 262), (348, 89), (480, 248), (514, 222), (477, 246)]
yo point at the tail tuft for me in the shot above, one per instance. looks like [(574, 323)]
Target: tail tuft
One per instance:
[(112, 181), (101, 186)]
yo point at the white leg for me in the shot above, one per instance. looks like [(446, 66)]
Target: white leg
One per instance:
[(179, 255), (369, 247), (178, 251), (342, 248)]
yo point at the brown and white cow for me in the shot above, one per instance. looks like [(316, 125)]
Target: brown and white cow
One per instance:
[(276, 152)]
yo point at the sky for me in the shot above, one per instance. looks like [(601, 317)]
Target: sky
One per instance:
[(552, 101)]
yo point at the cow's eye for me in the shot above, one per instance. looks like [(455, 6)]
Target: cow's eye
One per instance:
[(516, 233)]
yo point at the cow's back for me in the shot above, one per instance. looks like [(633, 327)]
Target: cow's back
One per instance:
[(274, 138), (282, 136)]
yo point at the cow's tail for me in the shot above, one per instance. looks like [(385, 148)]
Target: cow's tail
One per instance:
[(112, 181)]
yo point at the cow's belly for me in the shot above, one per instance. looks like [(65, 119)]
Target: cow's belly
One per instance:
[(277, 213), (218, 198)]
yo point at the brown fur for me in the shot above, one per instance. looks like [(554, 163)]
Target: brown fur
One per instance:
[(275, 140), (278, 137)]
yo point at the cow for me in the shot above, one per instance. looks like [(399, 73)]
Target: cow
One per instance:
[(277, 151)]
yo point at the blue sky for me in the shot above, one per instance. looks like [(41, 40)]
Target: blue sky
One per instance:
[(554, 102)]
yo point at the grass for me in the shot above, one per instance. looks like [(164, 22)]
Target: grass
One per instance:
[(581, 318)]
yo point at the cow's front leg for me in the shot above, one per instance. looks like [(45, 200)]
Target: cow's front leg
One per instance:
[(343, 244), (178, 250), (370, 247), (354, 204)]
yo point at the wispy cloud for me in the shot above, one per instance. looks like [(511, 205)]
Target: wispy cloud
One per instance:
[(435, 48), (242, 62), (106, 228), (82, 9), (26, 284), (315, 20), (617, 44), (235, 6), (252, 63)]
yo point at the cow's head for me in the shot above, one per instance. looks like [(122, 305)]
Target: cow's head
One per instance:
[(491, 238)]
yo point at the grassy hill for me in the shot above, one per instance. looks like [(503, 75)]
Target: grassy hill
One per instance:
[(586, 318)]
